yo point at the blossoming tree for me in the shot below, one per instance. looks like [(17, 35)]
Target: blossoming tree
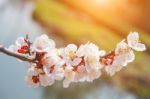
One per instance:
[(70, 64)]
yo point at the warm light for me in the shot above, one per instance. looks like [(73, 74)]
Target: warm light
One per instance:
[(101, 2)]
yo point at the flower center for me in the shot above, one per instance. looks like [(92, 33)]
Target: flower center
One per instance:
[(72, 55), (108, 60), (35, 79), (23, 49)]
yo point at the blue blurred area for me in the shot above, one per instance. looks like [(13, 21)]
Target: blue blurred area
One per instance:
[(15, 20)]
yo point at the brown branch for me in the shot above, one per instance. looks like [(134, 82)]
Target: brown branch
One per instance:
[(34, 60), (16, 55)]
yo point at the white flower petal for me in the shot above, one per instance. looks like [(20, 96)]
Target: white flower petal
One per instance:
[(20, 41), (51, 58), (133, 42), (130, 56), (66, 83), (87, 50), (71, 47), (139, 47), (32, 71), (68, 68), (102, 53), (76, 61), (93, 75), (29, 81), (80, 51), (120, 47), (69, 77), (81, 69), (112, 69), (92, 63), (43, 43), (46, 80), (133, 38), (58, 73)]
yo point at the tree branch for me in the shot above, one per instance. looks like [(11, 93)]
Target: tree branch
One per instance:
[(16, 55), (33, 59)]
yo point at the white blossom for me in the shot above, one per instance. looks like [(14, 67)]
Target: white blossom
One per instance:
[(91, 55), (69, 55), (51, 58), (81, 74), (124, 52), (18, 46), (115, 66), (37, 76), (43, 44), (88, 49), (69, 76), (123, 55), (133, 42), (29, 77)]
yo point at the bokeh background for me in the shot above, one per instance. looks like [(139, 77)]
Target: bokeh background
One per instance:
[(103, 22)]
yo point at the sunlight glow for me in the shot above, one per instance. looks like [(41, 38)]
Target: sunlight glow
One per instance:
[(101, 2)]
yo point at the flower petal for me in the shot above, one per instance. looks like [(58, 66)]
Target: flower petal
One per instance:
[(76, 61), (20, 41), (43, 43), (133, 38), (130, 56), (139, 47), (46, 80), (71, 47)]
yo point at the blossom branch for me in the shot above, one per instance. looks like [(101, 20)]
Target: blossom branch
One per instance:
[(31, 59), (72, 63)]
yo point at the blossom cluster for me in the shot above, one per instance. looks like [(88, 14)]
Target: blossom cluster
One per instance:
[(72, 63)]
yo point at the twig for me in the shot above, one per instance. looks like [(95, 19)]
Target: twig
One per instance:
[(31, 59), (16, 55)]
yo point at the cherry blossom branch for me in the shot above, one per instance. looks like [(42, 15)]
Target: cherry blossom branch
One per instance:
[(72, 63), (32, 59)]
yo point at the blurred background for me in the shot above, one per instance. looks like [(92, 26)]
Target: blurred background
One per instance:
[(103, 22)]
